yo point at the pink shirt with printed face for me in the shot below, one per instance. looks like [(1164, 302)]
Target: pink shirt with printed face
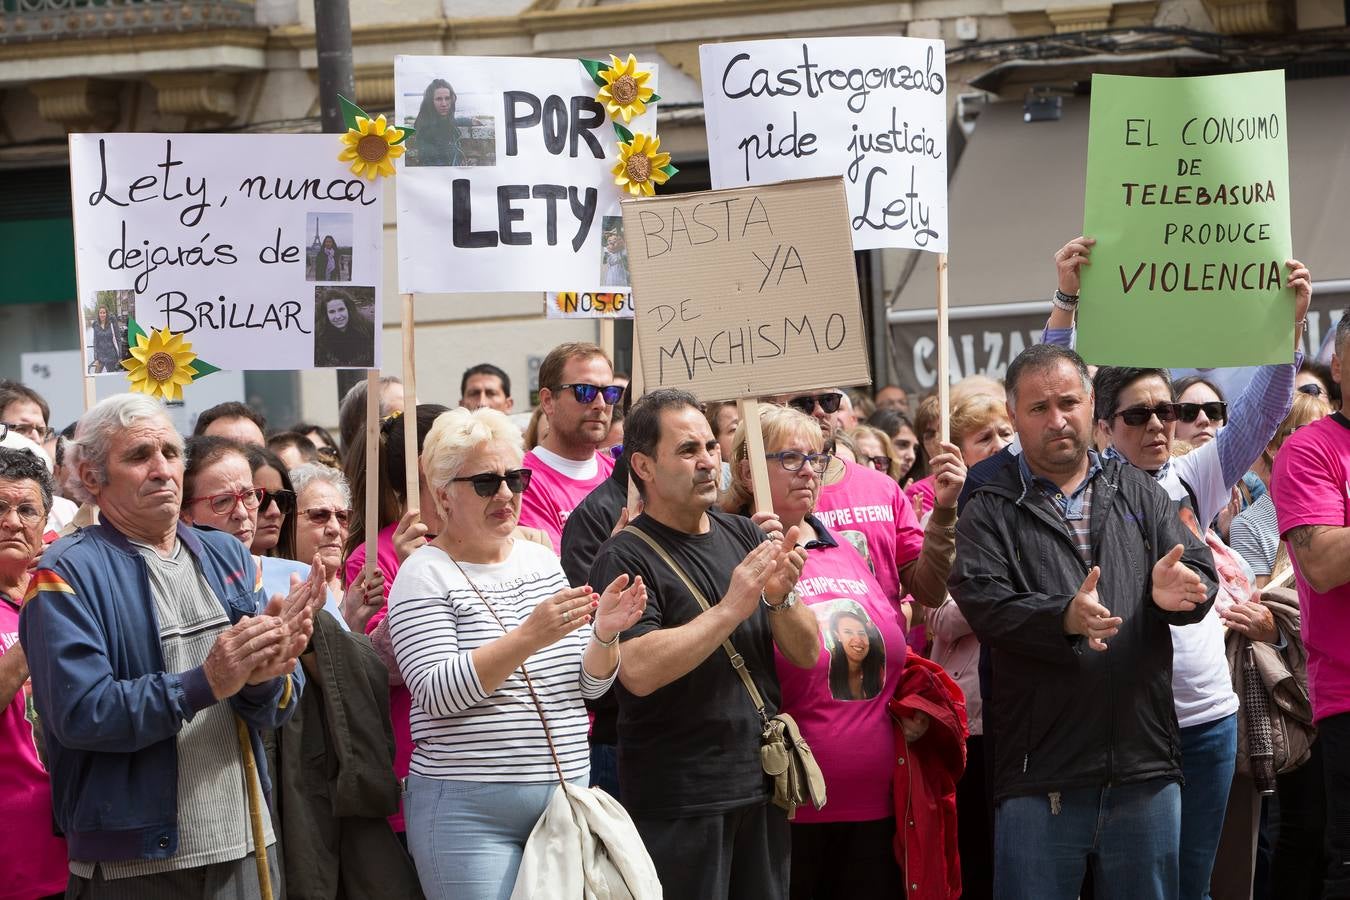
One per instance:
[(843, 718), (1311, 486), (32, 859), (553, 494)]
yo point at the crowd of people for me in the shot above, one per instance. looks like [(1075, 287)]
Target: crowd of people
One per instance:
[(1095, 644)]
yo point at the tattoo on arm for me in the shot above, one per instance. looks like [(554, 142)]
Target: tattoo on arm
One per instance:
[(1300, 538)]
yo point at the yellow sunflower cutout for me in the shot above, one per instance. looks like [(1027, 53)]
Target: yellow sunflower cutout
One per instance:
[(371, 147), (624, 91), (160, 364), (641, 166)]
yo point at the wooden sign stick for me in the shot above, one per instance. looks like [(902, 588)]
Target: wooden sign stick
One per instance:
[(410, 455), (754, 451), (607, 337), (943, 364), (634, 394), (372, 498)]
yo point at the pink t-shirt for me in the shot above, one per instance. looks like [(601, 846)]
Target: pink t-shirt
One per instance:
[(1311, 486), (869, 510), (553, 495), (852, 739), (400, 700), (32, 859)]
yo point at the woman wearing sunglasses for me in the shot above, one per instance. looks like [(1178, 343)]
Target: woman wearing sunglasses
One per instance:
[(322, 520), (481, 622)]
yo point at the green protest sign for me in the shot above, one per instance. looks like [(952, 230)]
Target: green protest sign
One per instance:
[(1188, 198)]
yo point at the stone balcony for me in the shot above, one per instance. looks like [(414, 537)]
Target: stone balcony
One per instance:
[(24, 21)]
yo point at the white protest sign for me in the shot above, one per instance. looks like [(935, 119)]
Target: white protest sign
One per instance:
[(508, 183), (262, 250), (747, 292), (873, 109)]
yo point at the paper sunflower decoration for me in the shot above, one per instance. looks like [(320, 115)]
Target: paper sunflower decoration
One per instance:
[(161, 363), (624, 92), (371, 144)]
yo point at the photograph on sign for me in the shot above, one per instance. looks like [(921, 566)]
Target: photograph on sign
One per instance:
[(221, 238), (1188, 200), (872, 109), (748, 292), (507, 184)]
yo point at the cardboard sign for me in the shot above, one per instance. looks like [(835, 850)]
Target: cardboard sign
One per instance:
[(263, 250), (1188, 198), (507, 184), (873, 109), (749, 292)]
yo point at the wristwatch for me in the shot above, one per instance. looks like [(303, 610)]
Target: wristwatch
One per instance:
[(788, 602)]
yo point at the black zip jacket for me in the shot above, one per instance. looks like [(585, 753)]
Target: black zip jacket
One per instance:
[(1062, 715)]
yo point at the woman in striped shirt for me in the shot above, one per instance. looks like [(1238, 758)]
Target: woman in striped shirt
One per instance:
[(481, 625)]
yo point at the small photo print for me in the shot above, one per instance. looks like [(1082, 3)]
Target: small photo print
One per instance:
[(613, 253), (452, 129), (344, 327), (106, 320), (329, 257), (857, 650)]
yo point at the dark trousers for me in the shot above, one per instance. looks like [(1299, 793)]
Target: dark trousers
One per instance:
[(975, 827), (738, 855), (1333, 733), (1300, 844), (845, 860)]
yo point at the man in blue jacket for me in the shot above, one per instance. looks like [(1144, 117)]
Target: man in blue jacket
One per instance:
[(153, 675)]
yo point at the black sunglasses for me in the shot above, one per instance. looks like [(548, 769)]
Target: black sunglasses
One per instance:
[(285, 501), (1139, 415), (807, 402), (1315, 390), (880, 463), (486, 484), (1215, 411), (586, 393)]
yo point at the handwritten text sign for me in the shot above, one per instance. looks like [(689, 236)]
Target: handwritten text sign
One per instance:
[(747, 292), (508, 183), (1188, 198), (873, 109), (263, 250)]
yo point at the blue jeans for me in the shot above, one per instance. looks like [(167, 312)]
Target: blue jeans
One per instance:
[(605, 768), (1208, 756), (1129, 831), (467, 837)]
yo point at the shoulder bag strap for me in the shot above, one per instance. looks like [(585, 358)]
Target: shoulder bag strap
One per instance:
[(737, 661)]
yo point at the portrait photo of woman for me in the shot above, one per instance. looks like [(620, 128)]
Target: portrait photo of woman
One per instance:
[(344, 335), (614, 254), (437, 140), (857, 653), (109, 348), (329, 258)]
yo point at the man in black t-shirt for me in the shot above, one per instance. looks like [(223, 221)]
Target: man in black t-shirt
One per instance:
[(689, 735)]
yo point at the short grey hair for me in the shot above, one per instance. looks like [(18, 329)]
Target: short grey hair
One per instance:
[(25, 465), (94, 434), (456, 434), (312, 473)]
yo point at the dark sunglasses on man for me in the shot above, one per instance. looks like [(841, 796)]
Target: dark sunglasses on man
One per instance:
[(586, 393), (285, 501), (807, 402), (486, 484)]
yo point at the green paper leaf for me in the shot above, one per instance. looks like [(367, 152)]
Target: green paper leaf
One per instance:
[(670, 170), (408, 131), (201, 369), (624, 134), (134, 330), (655, 99), (350, 111), (593, 68)]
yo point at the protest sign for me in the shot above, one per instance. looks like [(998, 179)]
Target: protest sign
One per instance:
[(262, 250), (507, 184), (1188, 198), (588, 305), (873, 109), (747, 292)]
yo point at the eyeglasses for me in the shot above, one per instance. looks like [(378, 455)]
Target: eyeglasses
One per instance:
[(285, 501), (586, 393), (29, 514), (1215, 411), (487, 484), (880, 463), (223, 503), (1315, 390), (1139, 415), (807, 402), (35, 433), (793, 460), (319, 515)]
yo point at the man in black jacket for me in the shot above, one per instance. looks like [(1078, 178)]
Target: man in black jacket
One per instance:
[(1069, 568)]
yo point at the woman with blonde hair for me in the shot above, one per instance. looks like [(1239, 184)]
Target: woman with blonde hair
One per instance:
[(875, 450), (498, 653), (979, 426)]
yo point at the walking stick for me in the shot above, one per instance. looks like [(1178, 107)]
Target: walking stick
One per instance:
[(255, 809)]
